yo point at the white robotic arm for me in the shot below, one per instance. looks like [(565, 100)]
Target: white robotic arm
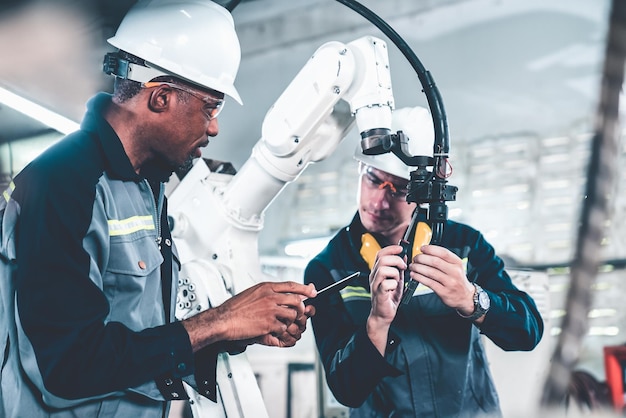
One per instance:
[(299, 128), (217, 217)]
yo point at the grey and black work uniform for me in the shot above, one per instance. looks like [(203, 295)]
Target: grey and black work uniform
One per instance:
[(86, 248), (434, 363)]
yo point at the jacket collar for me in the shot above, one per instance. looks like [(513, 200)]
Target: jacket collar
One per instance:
[(118, 164)]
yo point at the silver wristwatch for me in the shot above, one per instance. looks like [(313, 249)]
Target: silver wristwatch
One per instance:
[(481, 304)]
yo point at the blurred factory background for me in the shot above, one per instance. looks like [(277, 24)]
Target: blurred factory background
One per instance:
[(520, 84)]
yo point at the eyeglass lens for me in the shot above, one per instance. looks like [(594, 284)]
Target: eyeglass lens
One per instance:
[(396, 191)]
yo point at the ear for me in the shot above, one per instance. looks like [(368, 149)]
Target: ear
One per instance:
[(160, 99)]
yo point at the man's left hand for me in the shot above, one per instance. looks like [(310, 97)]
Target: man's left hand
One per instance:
[(292, 334), (443, 272)]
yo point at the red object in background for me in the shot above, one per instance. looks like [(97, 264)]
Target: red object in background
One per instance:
[(614, 365)]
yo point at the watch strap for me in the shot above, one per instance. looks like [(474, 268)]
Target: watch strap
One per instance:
[(478, 309)]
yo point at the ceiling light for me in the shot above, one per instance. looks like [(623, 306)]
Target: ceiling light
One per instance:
[(37, 112)]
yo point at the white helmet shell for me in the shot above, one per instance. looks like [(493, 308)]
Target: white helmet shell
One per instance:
[(191, 39), (417, 124)]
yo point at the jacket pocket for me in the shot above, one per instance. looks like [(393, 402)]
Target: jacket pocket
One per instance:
[(132, 282), (134, 257)]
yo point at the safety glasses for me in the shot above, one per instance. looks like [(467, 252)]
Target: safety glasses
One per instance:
[(212, 106), (373, 182)]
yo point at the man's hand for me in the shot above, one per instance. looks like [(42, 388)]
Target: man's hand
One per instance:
[(386, 286), (292, 334), (268, 313), (443, 272)]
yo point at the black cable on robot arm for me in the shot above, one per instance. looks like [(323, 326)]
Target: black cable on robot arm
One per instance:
[(431, 91), (435, 103)]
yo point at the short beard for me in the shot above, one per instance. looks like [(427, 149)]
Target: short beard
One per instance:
[(186, 165)]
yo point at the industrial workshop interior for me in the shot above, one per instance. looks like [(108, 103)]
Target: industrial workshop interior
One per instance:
[(529, 92)]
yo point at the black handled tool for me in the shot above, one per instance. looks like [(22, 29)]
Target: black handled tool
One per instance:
[(409, 284)]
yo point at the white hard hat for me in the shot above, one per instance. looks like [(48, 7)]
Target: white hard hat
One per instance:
[(191, 39), (417, 124)]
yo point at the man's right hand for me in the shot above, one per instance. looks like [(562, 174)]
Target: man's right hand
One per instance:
[(267, 313), (386, 286)]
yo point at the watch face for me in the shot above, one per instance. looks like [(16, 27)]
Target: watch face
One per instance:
[(483, 300)]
